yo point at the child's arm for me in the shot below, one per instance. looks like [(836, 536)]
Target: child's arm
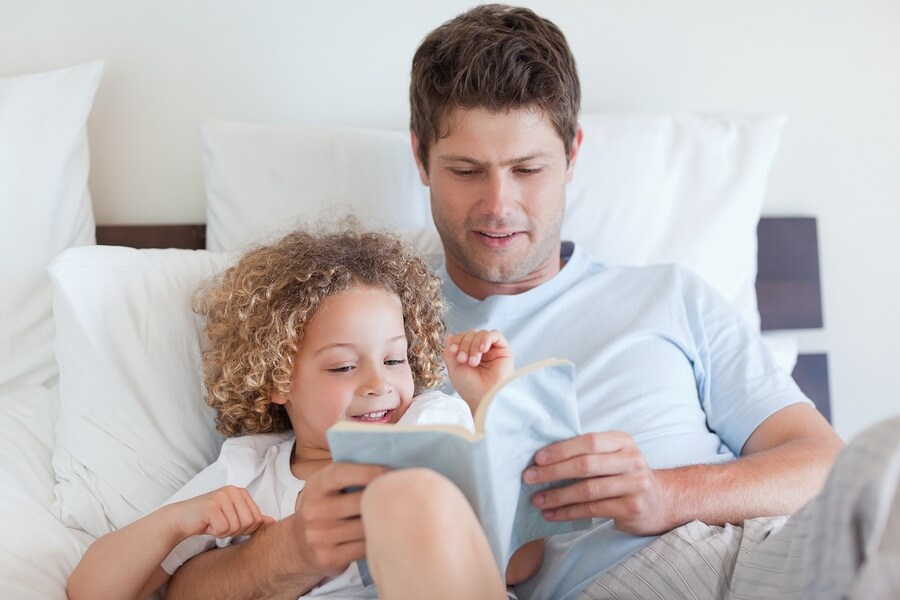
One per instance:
[(126, 562), (525, 562), (477, 360)]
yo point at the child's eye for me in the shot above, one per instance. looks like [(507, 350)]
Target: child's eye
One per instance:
[(344, 369), (395, 361)]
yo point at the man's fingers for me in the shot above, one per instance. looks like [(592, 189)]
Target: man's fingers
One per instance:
[(335, 532), (339, 506), (609, 508), (585, 465), (338, 477), (587, 490), (589, 443), (344, 554)]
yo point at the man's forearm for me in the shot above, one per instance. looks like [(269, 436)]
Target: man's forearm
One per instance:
[(777, 481), (261, 567)]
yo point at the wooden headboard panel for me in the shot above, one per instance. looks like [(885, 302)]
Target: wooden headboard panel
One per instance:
[(787, 284)]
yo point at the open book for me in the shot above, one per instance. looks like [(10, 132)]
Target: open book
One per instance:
[(534, 407)]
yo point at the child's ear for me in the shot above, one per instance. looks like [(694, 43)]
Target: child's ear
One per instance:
[(278, 398)]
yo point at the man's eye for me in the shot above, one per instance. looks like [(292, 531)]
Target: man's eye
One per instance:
[(344, 369), (529, 170), (463, 172)]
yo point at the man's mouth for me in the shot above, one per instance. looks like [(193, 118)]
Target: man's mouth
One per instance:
[(498, 240), (497, 235)]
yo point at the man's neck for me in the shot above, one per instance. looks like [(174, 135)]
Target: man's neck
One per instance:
[(480, 289)]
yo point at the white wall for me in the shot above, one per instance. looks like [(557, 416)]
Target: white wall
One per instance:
[(834, 66)]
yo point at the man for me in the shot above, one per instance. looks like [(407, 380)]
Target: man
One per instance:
[(668, 375)]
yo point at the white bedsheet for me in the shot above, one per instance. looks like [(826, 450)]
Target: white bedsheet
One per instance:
[(37, 552)]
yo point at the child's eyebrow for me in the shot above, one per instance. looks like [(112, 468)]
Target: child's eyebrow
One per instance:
[(353, 346)]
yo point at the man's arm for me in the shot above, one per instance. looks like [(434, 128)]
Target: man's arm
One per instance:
[(286, 559), (265, 566), (783, 464)]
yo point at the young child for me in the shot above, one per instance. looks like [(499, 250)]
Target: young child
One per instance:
[(303, 333)]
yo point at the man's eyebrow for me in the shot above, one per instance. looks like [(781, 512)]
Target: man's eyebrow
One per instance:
[(513, 161)]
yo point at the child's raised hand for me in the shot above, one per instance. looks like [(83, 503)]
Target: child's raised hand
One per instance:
[(476, 361), (225, 512)]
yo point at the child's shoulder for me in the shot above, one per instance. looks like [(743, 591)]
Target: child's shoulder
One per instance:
[(255, 448), (257, 441)]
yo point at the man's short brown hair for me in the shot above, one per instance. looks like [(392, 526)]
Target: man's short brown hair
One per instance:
[(498, 58)]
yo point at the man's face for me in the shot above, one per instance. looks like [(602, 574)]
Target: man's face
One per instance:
[(498, 198)]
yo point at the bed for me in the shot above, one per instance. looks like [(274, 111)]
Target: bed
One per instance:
[(100, 394)]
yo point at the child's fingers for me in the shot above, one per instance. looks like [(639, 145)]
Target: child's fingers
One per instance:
[(490, 339), (232, 511), (217, 523), (249, 517), (233, 520), (451, 346), (465, 347), (247, 514), (483, 341), (469, 347)]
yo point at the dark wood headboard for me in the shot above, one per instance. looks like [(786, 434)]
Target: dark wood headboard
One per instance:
[(787, 284)]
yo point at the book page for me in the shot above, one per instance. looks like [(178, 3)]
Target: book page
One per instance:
[(535, 408)]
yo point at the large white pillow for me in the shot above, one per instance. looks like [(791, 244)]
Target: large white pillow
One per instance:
[(45, 207), (132, 425), (263, 180), (647, 188), (684, 188)]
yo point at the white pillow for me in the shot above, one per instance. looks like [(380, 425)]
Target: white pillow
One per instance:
[(45, 207), (263, 180), (132, 425), (684, 188)]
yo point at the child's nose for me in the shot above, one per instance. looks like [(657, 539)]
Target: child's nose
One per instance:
[(376, 384)]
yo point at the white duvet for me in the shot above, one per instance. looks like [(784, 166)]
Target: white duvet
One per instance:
[(37, 552)]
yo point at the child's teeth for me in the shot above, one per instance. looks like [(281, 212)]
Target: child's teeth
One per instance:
[(374, 416)]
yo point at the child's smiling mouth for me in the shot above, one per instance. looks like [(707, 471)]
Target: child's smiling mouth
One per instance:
[(376, 416)]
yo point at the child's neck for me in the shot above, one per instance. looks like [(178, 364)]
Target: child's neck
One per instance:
[(306, 462)]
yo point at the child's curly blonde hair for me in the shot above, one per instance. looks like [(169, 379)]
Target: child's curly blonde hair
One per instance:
[(257, 312)]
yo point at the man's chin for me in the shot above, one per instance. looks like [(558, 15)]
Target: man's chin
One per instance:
[(507, 272)]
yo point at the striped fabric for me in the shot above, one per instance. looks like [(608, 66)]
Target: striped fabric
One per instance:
[(844, 544)]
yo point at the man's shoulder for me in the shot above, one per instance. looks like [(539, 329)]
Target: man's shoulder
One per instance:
[(667, 273)]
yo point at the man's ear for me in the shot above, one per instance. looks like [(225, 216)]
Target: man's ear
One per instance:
[(573, 153), (423, 172)]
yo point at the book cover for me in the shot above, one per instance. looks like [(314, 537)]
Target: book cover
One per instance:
[(532, 408)]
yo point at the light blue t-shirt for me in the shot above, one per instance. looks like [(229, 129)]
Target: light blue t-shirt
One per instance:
[(659, 355)]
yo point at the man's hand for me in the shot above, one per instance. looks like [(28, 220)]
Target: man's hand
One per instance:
[(783, 464), (327, 525), (614, 481), (477, 360)]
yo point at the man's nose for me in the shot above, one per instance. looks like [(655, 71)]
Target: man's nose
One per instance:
[(497, 198)]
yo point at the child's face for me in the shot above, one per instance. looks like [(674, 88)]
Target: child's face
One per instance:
[(351, 364)]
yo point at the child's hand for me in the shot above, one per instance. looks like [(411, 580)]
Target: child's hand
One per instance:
[(476, 361), (225, 512)]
